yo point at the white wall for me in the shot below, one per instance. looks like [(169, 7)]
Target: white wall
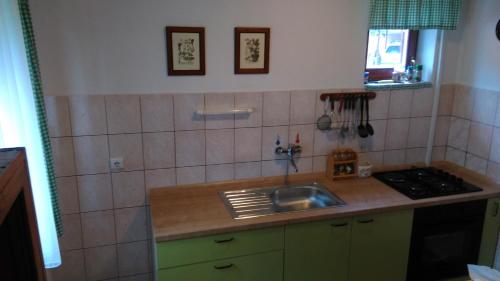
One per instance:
[(473, 51), (118, 46)]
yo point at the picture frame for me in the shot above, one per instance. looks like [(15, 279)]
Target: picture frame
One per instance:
[(251, 46), (185, 50)]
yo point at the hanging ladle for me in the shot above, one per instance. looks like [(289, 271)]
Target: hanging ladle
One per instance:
[(362, 131), (369, 127)]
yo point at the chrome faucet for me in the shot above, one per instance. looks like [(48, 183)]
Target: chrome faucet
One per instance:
[(290, 151)]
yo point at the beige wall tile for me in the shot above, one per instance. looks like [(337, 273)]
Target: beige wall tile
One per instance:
[(58, 118), (475, 163), (189, 148), (493, 171), (379, 106), (72, 268), (220, 172), (159, 150), (302, 104), (247, 170), (248, 144), (456, 156), (72, 236), (190, 175), (422, 102), (374, 158), (274, 168), (319, 163), (269, 137), (157, 113), (480, 139), (276, 108), (463, 101), (160, 178), (88, 115), (133, 258), (128, 189), (63, 156), (415, 155), (446, 99), (68, 195), (219, 102), (438, 153), (495, 146), (95, 192), (485, 106), (130, 224), (497, 118), (400, 103), (98, 228), (459, 133), (306, 133), (220, 146), (249, 100), (397, 133), (123, 113), (441, 133), (324, 142), (101, 263), (394, 157), (185, 106), (419, 132), (91, 154), (129, 147)]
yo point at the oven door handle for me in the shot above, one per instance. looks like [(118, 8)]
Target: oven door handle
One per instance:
[(495, 209)]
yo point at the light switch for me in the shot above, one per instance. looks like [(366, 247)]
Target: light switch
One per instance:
[(116, 163)]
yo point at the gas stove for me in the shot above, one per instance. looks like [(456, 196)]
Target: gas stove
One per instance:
[(420, 183)]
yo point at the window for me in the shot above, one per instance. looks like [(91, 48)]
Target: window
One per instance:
[(389, 49)]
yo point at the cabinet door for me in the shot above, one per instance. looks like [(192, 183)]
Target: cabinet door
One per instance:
[(491, 228), (380, 245), (259, 267), (317, 251)]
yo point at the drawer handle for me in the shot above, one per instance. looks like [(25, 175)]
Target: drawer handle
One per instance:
[(366, 221), (339, 224), (223, 266), (495, 212), (224, 240)]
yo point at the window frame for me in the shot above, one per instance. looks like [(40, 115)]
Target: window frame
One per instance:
[(377, 74)]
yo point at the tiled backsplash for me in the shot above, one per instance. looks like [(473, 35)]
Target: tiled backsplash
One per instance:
[(474, 130), (163, 143)]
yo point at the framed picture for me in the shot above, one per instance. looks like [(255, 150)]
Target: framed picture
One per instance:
[(251, 50), (186, 50)]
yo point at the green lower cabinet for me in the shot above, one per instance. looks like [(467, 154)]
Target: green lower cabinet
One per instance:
[(380, 245), (317, 251), (491, 227), (258, 267)]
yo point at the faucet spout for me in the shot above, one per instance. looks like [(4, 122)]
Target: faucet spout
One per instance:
[(292, 161)]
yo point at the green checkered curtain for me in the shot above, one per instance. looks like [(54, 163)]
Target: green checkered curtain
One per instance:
[(36, 82), (414, 14)]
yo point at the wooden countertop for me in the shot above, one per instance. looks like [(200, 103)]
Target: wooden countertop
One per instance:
[(196, 210)]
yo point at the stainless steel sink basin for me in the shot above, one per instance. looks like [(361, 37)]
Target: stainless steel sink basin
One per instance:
[(250, 203)]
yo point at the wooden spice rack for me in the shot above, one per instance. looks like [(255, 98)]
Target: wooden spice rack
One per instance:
[(342, 163), (340, 96)]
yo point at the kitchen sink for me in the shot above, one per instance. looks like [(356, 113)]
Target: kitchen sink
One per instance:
[(256, 202)]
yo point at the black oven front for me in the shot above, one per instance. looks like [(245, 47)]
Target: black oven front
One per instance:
[(444, 240)]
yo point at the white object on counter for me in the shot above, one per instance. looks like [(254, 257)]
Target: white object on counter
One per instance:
[(224, 112), (364, 169), (482, 273)]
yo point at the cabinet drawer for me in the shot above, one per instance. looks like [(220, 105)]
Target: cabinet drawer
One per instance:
[(259, 267), (188, 251)]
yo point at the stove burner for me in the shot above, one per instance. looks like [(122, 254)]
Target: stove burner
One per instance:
[(425, 183)]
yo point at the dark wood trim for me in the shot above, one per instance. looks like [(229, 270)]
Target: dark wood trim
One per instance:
[(237, 33), (185, 29), (377, 74)]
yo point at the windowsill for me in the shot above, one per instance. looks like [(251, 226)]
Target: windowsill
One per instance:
[(374, 86)]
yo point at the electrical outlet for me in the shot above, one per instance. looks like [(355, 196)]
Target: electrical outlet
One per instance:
[(116, 163)]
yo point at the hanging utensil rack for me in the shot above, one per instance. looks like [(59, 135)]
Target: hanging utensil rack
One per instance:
[(340, 96)]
